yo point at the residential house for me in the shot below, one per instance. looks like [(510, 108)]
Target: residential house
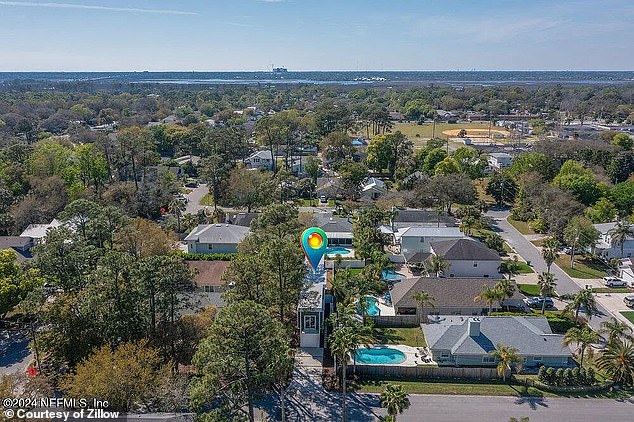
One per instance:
[(330, 187), (419, 239), (468, 258), (604, 247), (241, 219), (626, 271), (194, 159), (500, 160), (38, 231), (460, 341), (18, 244), (310, 315), (404, 218), (338, 229), (208, 275), (372, 188), (216, 238), (262, 160), (452, 296)]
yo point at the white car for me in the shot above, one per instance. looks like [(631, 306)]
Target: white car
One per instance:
[(614, 282)]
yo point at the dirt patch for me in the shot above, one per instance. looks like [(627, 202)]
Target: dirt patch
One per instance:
[(478, 133)]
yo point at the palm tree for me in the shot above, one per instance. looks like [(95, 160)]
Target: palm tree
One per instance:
[(616, 330), (546, 282), (177, 207), (489, 295), (508, 358), (617, 360), (394, 399), (423, 298), (506, 289), (583, 298), (619, 234), (550, 252), (582, 337), (510, 267), (437, 264), (343, 342)]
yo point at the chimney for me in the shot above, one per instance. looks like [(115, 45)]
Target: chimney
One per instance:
[(474, 327)]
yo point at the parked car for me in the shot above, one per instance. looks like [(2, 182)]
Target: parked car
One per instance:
[(323, 199), (536, 302), (567, 250), (191, 184), (629, 301), (614, 282)]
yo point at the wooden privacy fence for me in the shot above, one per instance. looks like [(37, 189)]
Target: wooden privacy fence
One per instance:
[(413, 372), (395, 321)]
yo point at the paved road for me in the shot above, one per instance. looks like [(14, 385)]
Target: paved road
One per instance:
[(14, 352), (194, 197), (433, 408), (528, 251)]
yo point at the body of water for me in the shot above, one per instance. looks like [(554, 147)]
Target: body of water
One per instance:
[(459, 78)]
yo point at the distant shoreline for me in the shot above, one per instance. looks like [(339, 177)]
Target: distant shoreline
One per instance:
[(361, 78)]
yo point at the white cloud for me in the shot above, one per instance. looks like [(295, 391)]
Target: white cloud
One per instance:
[(92, 7)]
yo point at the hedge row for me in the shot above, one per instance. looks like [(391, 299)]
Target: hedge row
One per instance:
[(207, 256), (566, 377)]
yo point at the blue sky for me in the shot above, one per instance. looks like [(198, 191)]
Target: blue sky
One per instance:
[(156, 35)]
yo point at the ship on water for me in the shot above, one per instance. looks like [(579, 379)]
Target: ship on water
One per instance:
[(280, 70)]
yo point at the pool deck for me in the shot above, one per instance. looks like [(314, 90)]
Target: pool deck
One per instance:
[(412, 356)]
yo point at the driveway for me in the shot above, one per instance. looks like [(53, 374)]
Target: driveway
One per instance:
[(194, 197), (528, 251), (14, 352)]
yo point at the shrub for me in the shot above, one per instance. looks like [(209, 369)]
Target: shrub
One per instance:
[(559, 377), (590, 376), (568, 378), (576, 377), (550, 376), (207, 256), (541, 375)]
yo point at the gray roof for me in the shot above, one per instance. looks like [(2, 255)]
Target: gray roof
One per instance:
[(416, 257), (464, 249), (38, 231), (329, 223), (241, 219), (530, 335), (430, 231), (218, 233), (423, 216), (18, 242), (447, 292)]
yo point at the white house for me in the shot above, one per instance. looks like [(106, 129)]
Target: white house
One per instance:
[(604, 247), (626, 271), (468, 258), (419, 239), (372, 188), (310, 315), (500, 160), (262, 160), (216, 238), (38, 231)]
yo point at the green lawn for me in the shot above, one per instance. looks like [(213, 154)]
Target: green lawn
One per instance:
[(529, 289), (409, 336), (584, 267), (524, 268), (314, 203), (629, 315), (521, 226), (207, 200), (466, 387), (609, 290), (507, 248)]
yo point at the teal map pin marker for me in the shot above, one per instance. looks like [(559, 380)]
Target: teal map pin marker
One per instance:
[(314, 242)]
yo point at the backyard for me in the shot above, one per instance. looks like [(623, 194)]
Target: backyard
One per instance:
[(408, 336)]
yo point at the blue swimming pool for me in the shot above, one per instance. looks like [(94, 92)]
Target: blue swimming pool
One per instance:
[(391, 275), (372, 307), (337, 250), (380, 356)]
